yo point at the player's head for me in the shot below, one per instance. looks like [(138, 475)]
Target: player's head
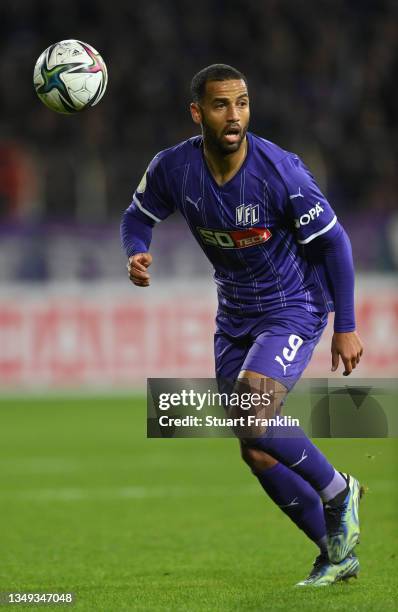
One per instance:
[(221, 106)]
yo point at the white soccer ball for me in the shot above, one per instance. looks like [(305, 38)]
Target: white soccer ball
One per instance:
[(70, 76)]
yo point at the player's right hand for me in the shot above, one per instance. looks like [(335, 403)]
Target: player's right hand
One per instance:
[(137, 268)]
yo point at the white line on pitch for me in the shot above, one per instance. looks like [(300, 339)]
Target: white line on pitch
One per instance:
[(130, 492)]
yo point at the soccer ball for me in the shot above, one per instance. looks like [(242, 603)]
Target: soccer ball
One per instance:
[(70, 76)]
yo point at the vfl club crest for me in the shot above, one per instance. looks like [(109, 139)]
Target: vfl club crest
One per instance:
[(247, 214)]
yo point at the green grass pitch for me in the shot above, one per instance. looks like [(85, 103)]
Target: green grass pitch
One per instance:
[(89, 505)]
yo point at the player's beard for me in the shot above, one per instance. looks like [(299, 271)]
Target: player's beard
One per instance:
[(215, 143)]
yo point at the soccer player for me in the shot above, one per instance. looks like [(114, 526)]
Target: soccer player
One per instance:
[(282, 262)]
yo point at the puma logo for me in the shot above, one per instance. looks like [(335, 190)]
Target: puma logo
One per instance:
[(190, 201), (296, 195), (294, 502), (303, 458), (284, 365)]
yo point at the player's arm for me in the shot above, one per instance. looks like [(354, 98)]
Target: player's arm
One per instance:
[(150, 205), (136, 236), (334, 249), (325, 241)]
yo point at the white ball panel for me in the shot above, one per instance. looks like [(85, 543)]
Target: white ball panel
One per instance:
[(52, 100), (80, 98), (68, 52)]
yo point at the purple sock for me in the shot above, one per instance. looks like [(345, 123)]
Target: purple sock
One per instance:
[(294, 449), (296, 498)]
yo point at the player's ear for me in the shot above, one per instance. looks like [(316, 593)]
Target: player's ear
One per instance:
[(196, 113)]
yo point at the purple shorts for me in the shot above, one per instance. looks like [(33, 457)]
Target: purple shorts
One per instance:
[(278, 345)]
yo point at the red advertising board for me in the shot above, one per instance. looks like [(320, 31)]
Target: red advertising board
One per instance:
[(108, 336)]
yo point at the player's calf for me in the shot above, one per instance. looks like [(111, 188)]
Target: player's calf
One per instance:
[(255, 458)]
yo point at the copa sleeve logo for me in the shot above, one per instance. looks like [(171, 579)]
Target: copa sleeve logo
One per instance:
[(312, 214)]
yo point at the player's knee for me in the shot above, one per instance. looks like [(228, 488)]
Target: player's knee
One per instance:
[(256, 459), (263, 396)]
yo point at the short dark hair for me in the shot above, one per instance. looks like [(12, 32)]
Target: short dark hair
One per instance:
[(215, 72)]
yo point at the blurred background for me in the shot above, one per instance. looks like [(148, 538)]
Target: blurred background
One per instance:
[(322, 83)]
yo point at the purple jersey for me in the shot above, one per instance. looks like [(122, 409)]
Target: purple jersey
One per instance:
[(254, 229)]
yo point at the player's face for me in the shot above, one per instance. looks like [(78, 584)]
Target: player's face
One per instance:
[(224, 114)]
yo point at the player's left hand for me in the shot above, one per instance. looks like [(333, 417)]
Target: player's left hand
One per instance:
[(348, 346)]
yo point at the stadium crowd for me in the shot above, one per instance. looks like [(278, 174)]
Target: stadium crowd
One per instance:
[(321, 77)]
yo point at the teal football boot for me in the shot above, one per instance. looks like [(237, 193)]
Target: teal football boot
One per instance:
[(325, 573), (342, 522)]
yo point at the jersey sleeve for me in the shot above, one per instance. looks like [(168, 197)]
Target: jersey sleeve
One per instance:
[(152, 194), (304, 203)]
